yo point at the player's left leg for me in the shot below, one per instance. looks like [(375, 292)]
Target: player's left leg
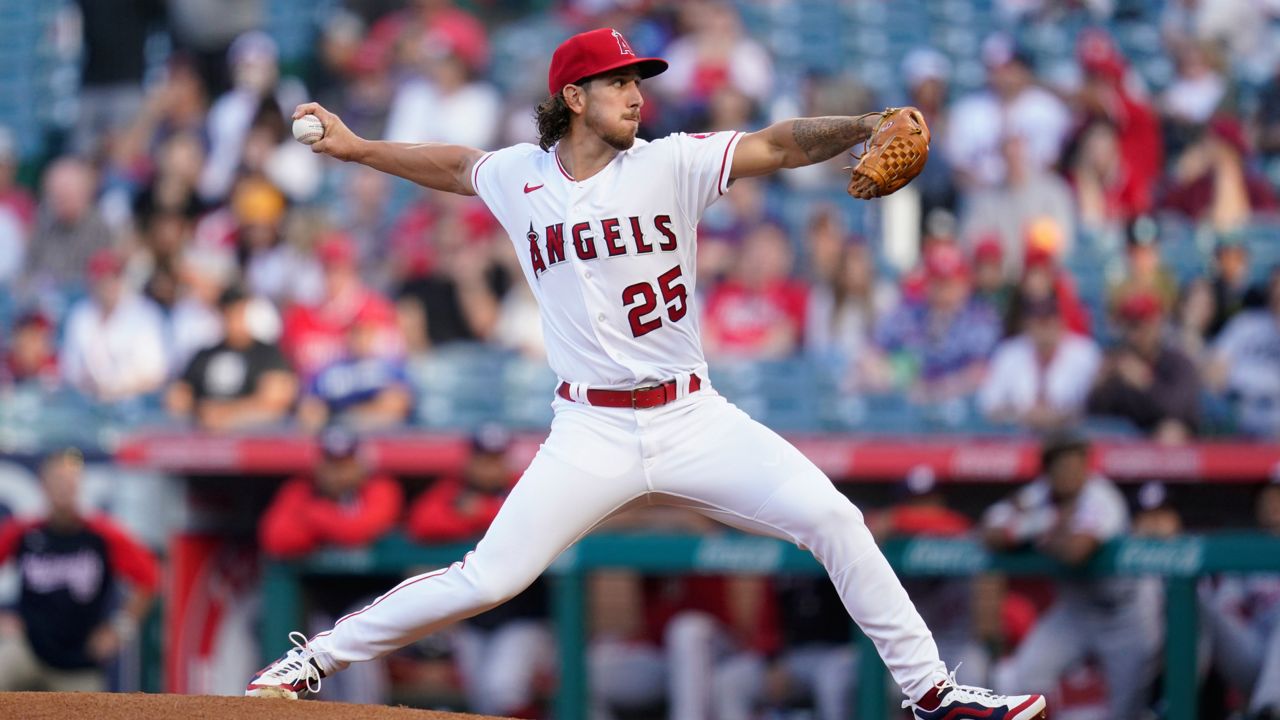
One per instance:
[(711, 456)]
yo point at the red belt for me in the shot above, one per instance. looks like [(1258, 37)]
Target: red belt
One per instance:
[(650, 396)]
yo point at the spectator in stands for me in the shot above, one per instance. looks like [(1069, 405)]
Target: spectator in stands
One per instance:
[(1245, 364), (204, 29), (69, 229), (444, 103), (503, 653), (363, 388), (936, 347), (989, 283), (195, 321), (815, 664), (113, 348), (1013, 106), (1213, 181), (270, 266), (714, 53), (457, 298), (316, 335), (1230, 280), (1040, 378), (74, 614), (1267, 117), (1119, 152), (758, 312), (1145, 273), (1147, 379), (519, 326), (343, 504), (1196, 91), (175, 109), (1242, 617), (921, 510), (844, 310), (1043, 277), (1026, 194), (727, 224), (257, 87), (1068, 513), (239, 383), (31, 357), (363, 212)]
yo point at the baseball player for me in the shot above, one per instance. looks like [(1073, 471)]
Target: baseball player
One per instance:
[(605, 226)]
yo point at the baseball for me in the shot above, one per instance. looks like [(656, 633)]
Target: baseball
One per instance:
[(308, 130)]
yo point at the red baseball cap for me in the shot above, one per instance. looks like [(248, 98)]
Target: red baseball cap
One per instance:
[(337, 250), (1140, 307), (945, 261), (594, 52), (104, 263), (988, 249)]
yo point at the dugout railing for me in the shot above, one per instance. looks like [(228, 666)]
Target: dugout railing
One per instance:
[(1180, 561)]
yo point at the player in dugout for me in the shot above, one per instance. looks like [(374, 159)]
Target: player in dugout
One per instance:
[(605, 226), (74, 611)]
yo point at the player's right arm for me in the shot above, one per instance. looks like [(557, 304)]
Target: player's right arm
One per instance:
[(438, 166)]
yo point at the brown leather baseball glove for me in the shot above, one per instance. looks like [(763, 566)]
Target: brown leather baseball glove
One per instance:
[(895, 152)]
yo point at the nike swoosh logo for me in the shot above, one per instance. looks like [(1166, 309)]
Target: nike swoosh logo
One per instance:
[(528, 189)]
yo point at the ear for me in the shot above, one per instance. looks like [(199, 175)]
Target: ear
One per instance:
[(575, 98)]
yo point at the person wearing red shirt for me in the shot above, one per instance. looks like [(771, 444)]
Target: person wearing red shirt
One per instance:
[(342, 505), (69, 566), (759, 312), (505, 654), (316, 335)]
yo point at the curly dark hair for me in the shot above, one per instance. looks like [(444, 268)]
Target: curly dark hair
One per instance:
[(553, 118)]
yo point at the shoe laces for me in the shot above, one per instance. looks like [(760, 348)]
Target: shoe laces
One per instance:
[(297, 665), (962, 693)]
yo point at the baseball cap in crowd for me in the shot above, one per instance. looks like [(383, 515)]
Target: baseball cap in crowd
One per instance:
[(34, 318), (104, 263), (253, 46), (1140, 307), (923, 64), (988, 249), (1143, 231), (1060, 442), (1153, 495), (230, 296), (336, 250), (1043, 236), (944, 261), (1230, 240), (594, 52), (490, 439), (338, 442), (257, 202), (1000, 49), (921, 480)]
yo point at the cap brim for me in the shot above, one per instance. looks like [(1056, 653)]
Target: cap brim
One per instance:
[(648, 68)]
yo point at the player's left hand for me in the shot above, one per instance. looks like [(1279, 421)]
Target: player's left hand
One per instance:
[(894, 154)]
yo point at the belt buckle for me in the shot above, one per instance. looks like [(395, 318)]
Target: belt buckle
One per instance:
[(635, 391)]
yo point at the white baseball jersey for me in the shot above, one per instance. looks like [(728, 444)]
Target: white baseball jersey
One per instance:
[(611, 258)]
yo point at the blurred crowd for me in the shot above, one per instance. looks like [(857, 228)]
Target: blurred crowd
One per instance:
[(181, 249)]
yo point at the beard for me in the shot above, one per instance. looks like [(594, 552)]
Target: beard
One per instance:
[(619, 137)]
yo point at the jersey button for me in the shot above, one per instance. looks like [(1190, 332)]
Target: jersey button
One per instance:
[(587, 274), (600, 317)]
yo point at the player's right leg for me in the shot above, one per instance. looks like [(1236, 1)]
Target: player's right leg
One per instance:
[(588, 468)]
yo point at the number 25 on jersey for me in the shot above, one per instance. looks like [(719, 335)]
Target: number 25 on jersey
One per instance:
[(645, 299)]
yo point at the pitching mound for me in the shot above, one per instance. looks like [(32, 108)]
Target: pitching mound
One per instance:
[(107, 706)]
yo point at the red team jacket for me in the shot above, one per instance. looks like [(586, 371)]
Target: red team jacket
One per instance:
[(300, 520)]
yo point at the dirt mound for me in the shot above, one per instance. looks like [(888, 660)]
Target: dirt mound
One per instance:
[(108, 706)]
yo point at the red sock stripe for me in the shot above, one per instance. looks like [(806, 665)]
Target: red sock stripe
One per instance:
[(1028, 703), (461, 564)]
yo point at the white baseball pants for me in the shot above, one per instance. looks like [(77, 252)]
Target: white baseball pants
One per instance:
[(699, 452)]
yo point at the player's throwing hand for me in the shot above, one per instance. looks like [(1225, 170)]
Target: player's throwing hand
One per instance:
[(338, 141)]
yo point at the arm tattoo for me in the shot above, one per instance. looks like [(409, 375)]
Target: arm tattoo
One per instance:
[(822, 138)]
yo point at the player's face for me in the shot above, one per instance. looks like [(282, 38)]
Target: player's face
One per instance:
[(613, 103)]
